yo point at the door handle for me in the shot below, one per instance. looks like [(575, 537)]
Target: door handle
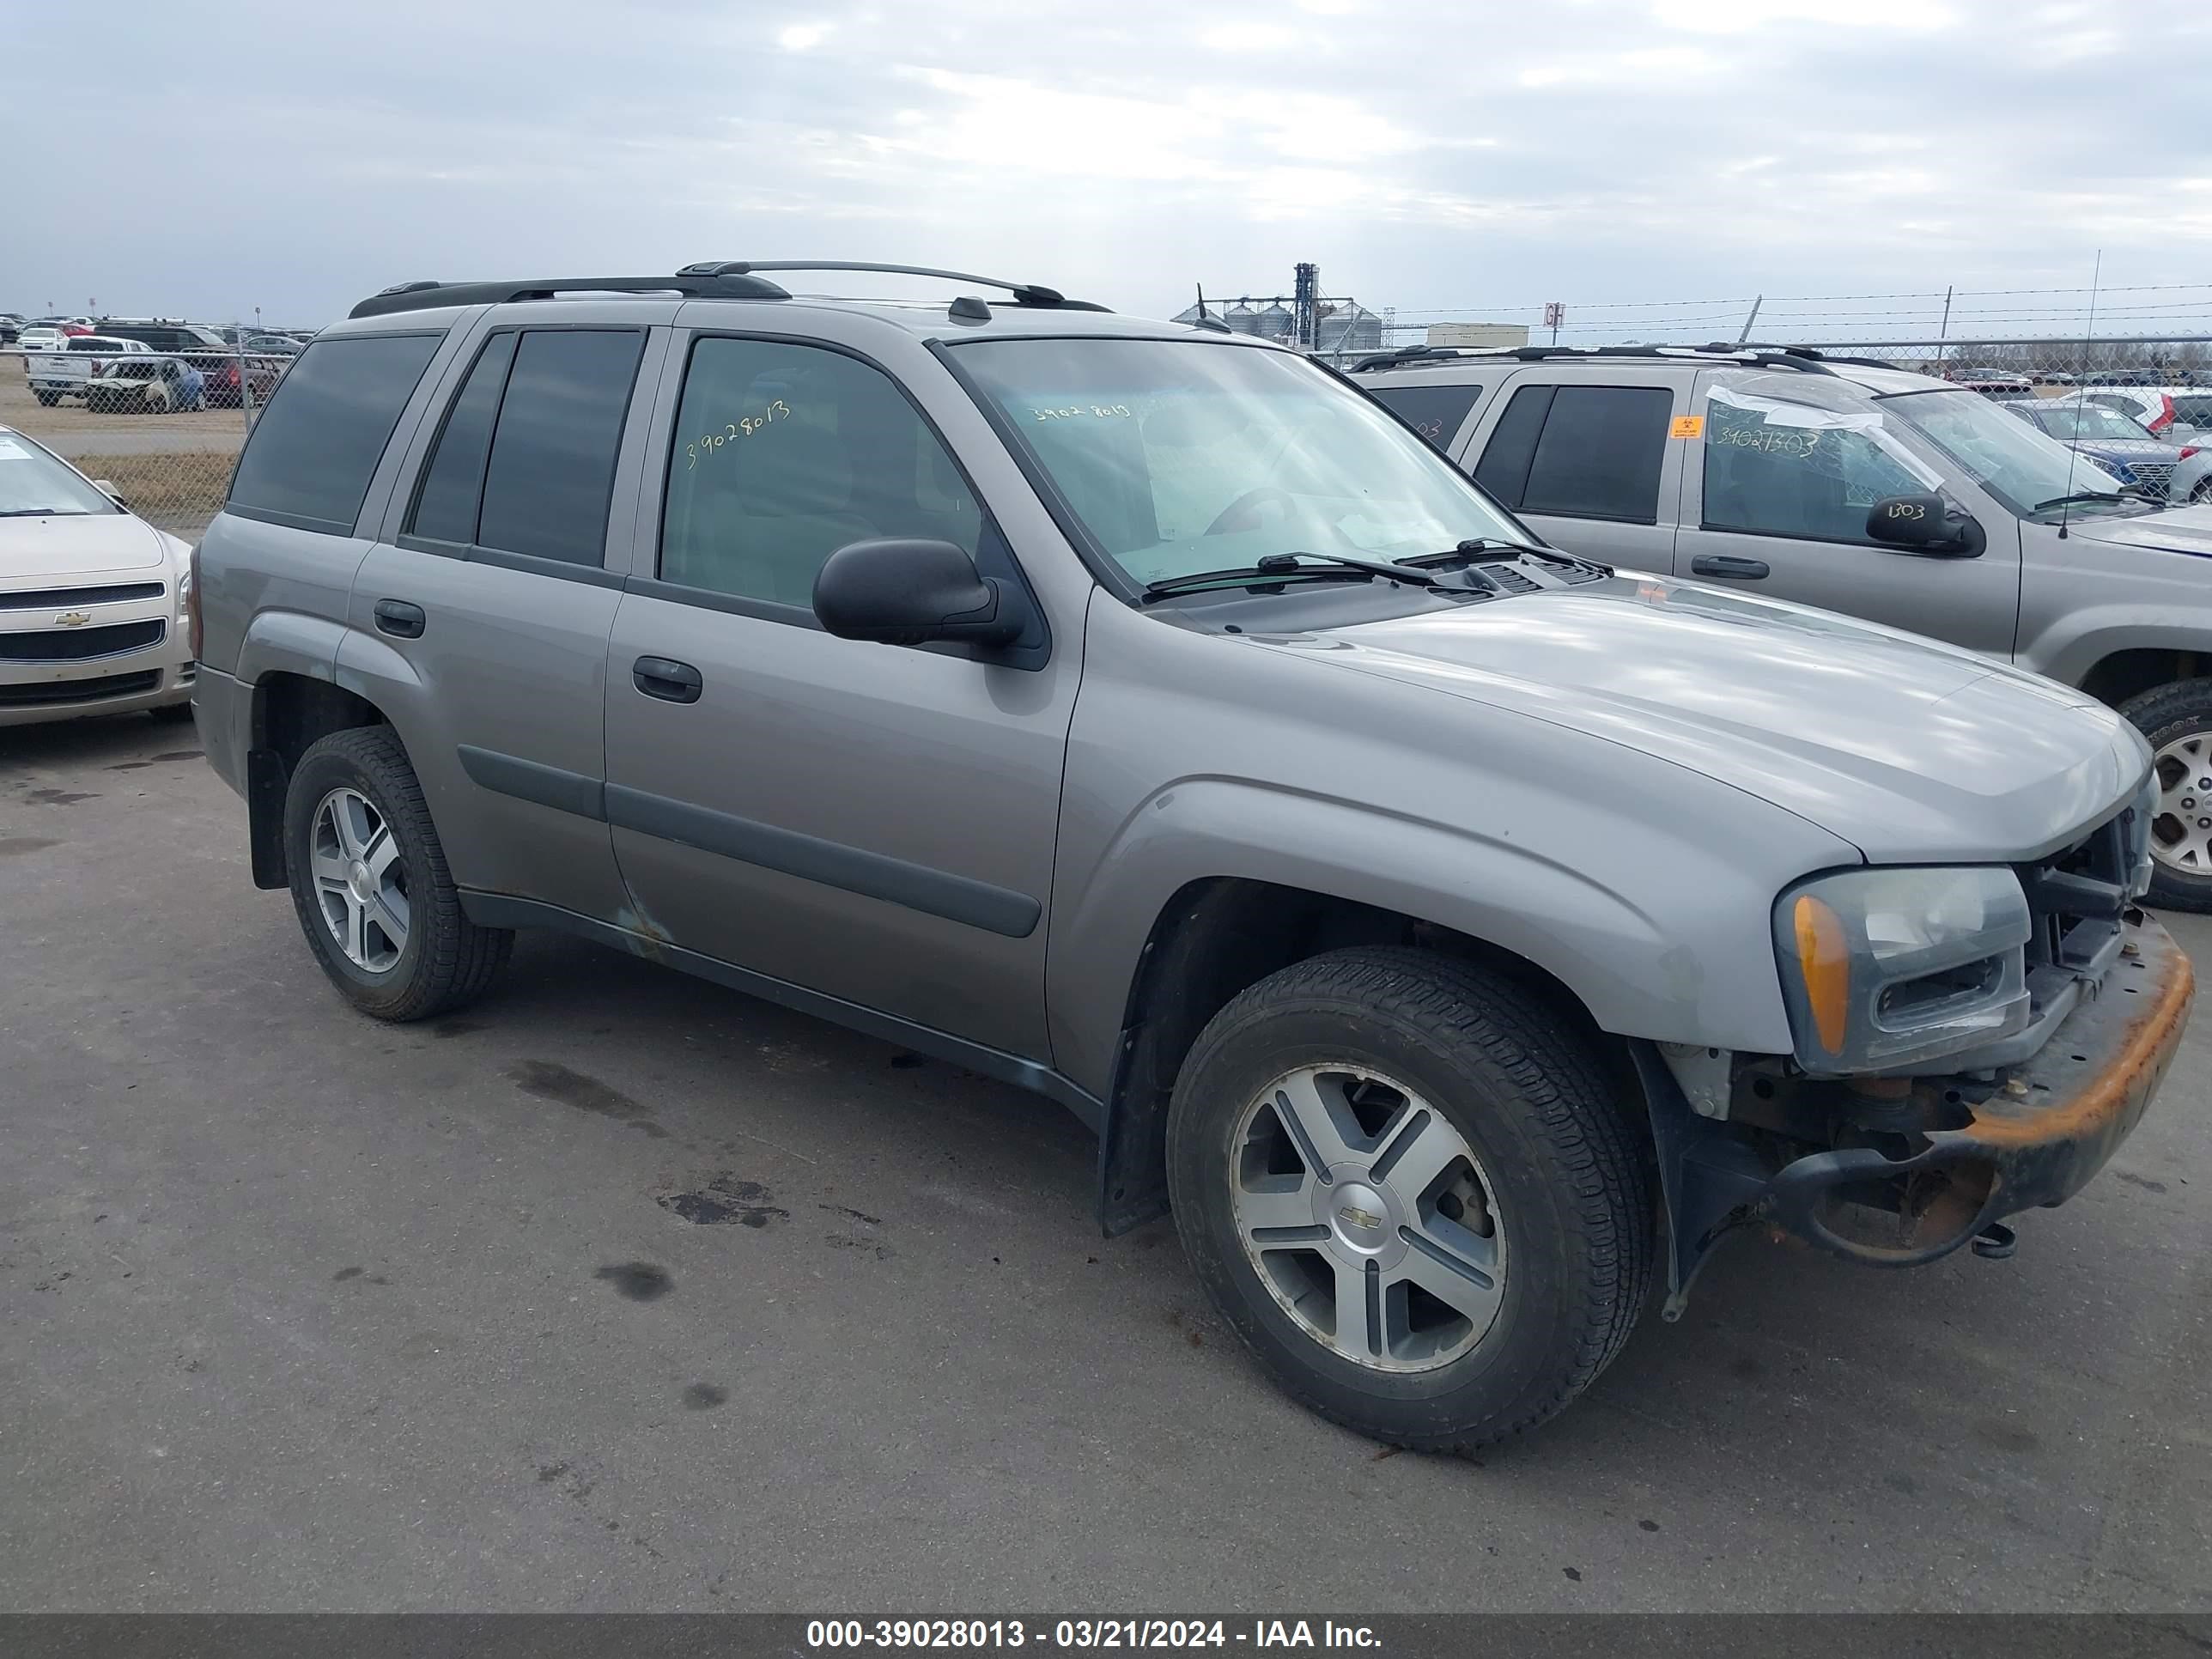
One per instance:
[(400, 619), (1720, 564), (667, 679)]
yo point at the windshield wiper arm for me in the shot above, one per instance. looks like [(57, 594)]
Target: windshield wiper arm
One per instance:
[(2085, 496), (1475, 546), (1281, 567)]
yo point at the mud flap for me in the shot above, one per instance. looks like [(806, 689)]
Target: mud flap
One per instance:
[(1710, 1180)]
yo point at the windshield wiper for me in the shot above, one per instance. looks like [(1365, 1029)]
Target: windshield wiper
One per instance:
[(2069, 500), (1283, 566)]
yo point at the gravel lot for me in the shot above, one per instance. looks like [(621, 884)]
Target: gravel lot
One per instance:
[(624, 1291)]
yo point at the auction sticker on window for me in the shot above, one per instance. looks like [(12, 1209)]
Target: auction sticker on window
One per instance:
[(1686, 426)]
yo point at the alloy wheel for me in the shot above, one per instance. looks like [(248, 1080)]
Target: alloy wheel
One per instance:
[(1367, 1217), (361, 880), (2181, 830)]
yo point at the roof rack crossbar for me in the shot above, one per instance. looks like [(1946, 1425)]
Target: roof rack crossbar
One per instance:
[(692, 284), (1025, 294)]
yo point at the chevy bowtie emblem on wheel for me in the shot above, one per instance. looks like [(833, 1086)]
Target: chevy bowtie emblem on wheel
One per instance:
[(1352, 1215), (73, 619)]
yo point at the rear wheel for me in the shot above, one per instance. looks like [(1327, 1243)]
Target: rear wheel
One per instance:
[(369, 881), (1416, 1191), (2176, 719), (47, 399)]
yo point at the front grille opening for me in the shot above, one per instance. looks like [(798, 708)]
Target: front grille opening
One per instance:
[(44, 598), (1915, 1001), (80, 644)]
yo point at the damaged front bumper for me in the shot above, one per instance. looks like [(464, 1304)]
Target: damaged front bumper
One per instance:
[(1918, 1167), (2033, 1137)]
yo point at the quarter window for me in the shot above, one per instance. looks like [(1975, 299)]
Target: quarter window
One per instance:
[(784, 454), (317, 445), (453, 484)]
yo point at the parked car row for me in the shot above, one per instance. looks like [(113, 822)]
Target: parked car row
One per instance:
[(1457, 917), (198, 368), (2124, 448)]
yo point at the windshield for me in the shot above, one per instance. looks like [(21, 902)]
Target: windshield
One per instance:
[(2090, 422), (34, 484), (2019, 464), (1188, 456)]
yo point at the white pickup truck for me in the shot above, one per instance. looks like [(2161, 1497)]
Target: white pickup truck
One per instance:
[(68, 372)]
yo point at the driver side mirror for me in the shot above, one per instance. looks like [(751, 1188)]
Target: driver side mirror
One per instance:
[(1925, 524), (899, 591), (107, 488)]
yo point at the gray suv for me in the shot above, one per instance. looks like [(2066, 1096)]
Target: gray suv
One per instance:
[(1857, 486), (1459, 937)]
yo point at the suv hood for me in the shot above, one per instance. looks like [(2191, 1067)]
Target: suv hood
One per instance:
[(2176, 529), (1911, 751), (75, 544)]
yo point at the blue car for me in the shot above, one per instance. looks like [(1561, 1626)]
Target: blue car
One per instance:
[(2116, 444)]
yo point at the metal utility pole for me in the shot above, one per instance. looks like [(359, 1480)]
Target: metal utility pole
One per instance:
[(1758, 299), (1943, 333)]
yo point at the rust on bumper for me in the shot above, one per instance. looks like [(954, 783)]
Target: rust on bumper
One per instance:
[(2035, 1141)]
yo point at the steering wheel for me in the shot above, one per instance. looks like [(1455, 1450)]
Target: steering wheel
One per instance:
[(1244, 513)]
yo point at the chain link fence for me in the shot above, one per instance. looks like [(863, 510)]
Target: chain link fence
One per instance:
[(158, 410)]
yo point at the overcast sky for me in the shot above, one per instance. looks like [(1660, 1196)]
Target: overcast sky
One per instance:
[(1475, 159)]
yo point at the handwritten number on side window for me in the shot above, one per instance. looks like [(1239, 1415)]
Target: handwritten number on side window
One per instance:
[(731, 431), (1102, 411)]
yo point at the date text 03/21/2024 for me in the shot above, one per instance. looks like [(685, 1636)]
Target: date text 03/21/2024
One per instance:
[(828, 1635)]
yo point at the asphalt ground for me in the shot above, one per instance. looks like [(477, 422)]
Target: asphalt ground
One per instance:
[(624, 1291)]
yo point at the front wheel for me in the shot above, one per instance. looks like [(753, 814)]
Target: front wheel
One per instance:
[(369, 881), (1417, 1192), (2176, 719)]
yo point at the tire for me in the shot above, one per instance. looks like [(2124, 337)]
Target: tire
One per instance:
[(2201, 496), (47, 399), (2176, 719), (444, 960), (1557, 1149)]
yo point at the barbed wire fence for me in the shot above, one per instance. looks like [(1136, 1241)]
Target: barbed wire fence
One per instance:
[(161, 422)]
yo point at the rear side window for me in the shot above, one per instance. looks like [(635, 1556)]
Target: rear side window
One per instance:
[(1437, 412), (316, 446), (552, 463), (1580, 452)]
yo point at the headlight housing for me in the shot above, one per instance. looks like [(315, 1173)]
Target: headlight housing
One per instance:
[(1884, 968)]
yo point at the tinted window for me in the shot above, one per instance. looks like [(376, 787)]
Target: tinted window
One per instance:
[(312, 451), (452, 485), (1434, 412), (553, 455), (1504, 468), (1783, 470), (785, 454), (2197, 411), (1599, 453)]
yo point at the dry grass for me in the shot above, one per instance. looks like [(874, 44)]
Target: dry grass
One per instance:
[(178, 492)]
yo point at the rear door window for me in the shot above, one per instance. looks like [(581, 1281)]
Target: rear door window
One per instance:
[(1437, 412), (1580, 452), (317, 444), (551, 469)]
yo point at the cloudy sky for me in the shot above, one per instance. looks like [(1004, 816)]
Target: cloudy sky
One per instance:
[(1471, 160)]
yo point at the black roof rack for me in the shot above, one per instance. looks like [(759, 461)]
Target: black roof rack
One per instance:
[(1025, 294), (693, 284), (710, 279), (1803, 359)]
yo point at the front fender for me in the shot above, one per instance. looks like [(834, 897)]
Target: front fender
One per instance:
[(1682, 958), (2072, 643)]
